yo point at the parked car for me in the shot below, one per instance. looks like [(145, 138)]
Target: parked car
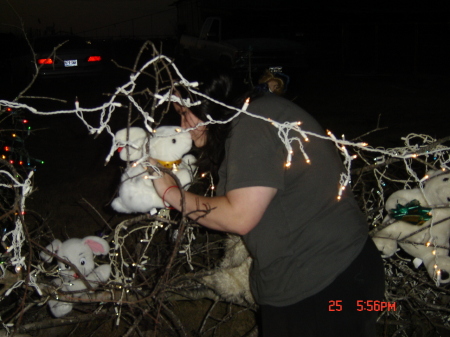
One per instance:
[(67, 55), (56, 57)]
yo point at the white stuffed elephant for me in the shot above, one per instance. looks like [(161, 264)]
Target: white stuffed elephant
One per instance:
[(79, 252), (431, 245), (169, 146)]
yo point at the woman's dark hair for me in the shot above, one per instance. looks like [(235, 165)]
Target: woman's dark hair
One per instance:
[(218, 85)]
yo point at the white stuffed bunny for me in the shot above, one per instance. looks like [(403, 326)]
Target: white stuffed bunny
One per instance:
[(431, 245), (168, 145), (133, 143), (79, 252)]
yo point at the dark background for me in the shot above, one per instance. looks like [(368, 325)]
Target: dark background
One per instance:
[(370, 66)]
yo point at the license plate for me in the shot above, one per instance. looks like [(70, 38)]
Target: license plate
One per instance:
[(70, 63)]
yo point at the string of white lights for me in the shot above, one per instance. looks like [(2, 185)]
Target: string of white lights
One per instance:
[(290, 133), (17, 234), (284, 128)]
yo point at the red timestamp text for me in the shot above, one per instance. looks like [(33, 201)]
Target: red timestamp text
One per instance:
[(335, 305), (370, 305), (364, 305)]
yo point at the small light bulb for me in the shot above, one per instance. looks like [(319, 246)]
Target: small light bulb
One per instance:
[(246, 103), (288, 164)]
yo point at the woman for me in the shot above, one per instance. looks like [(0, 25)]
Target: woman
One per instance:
[(312, 257)]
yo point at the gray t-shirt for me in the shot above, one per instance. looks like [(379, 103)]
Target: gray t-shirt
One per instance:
[(306, 237)]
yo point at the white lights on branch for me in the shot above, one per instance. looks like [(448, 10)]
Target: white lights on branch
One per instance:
[(293, 135)]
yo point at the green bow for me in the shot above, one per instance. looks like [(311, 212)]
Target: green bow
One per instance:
[(412, 212)]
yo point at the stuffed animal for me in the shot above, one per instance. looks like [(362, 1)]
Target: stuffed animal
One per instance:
[(133, 143), (422, 230), (168, 146), (79, 252), (229, 281)]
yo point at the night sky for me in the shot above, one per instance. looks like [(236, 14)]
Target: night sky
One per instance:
[(375, 34), (137, 17), (78, 16)]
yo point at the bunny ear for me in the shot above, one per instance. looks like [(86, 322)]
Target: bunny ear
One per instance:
[(98, 245), (54, 248)]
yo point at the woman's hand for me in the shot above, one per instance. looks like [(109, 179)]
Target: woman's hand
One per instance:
[(164, 181)]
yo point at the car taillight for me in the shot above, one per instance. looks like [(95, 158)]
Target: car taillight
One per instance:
[(94, 58), (45, 61)]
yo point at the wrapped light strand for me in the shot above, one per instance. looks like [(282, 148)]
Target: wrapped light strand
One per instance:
[(411, 151), (345, 176), (284, 130), (17, 234), (127, 89)]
